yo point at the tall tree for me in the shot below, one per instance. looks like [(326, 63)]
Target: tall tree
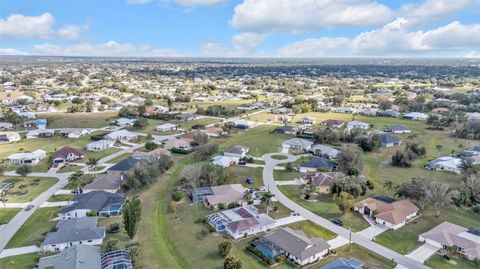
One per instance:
[(224, 248), (232, 263), (76, 179), (440, 195), (92, 162), (267, 198), (131, 216), (349, 160)]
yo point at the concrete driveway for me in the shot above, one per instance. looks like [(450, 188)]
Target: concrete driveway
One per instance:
[(373, 231), (423, 252), (288, 220)]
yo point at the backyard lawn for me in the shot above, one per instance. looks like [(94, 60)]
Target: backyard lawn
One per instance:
[(284, 175), (26, 189), (325, 207), (35, 228), (6, 214), (122, 238), (120, 158)]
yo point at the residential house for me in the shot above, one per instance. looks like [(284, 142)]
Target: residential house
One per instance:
[(35, 123), (307, 120), (322, 180), (6, 126), (465, 241), (357, 125), (100, 145), (334, 123), (342, 263), (391, 113), (174, 143), (241, 222), (9, 137), (346, 110), (297, 143), (243, 124), (282, 118), (101, 203), (387, 140), (150, 155), (108, 182), (121, 135), (324, 151), (286, 130), (225, 194), (474, 116), (185, 117), (72, 232), (398, 129), (87, 257), (124, 122), (440, 110), (236, 151), (67, 154), (415, 116), (29, 158), (166, 127), (296, 246), (224, 161), (317, 163), (214, 131), (387, 211), (73, 132), (190, 136), (447, 163), (281, 110), (123, 166), (40, 133)]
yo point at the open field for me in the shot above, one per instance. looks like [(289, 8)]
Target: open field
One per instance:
[(34, 229), (244, 172), (325, 206), (405, 239), (6, 214), (31, 185), (79, 120), (284, 175)]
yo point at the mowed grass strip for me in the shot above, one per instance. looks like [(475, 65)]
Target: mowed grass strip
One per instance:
[(33, 231), (25, 261), (79, 120), (33, 186), (6, 214)]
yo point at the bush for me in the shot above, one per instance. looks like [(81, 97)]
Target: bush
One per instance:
[(224, 248), (221, 206), (177, 196), (232, 205)]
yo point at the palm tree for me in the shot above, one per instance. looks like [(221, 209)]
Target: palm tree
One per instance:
[(267, 199), (388, 185), (75, 179), (92, 162), (440, 195)]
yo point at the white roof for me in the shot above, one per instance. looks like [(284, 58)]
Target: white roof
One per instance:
[(167, 125), (223, 161), (122, 133), (37, 154), (416, 115), (357, 123)]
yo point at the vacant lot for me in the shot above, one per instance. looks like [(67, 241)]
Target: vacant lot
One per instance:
[(35, 228), (26, 189), (79, 120)]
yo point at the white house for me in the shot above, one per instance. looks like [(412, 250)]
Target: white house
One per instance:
[(307, 120), (236, 151), (124, 122), (447, 163), (297, 143), (121, 135), (9, 137), (30, 158), (73, 132), (100, 145), (357, 125), (166, 127), (40, 133), (416, 116), (224, 161), (72, 232), (325, 151)]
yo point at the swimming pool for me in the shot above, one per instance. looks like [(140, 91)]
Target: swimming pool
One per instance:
[(267, 251)]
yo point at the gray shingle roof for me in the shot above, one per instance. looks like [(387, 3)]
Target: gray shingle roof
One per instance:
[(105, 182), (75, 257), (73, 230), (124, 165), (95, 200)]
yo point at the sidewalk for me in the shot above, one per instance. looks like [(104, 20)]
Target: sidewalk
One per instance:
[(18, 251)]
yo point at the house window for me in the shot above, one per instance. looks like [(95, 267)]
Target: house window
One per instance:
[(89, 241)]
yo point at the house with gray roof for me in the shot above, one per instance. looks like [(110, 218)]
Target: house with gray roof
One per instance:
[(297, 247), (342, 263), (102, 202), (109, 182), (387, 140), (75, 257), (236, 151), (398, 129), (72, 232), (324, 151), (317, 163), (297, 143)]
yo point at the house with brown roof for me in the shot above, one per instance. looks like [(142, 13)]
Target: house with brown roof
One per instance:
[(214, 131), (333, 123), (322, 180), (465, 241), (387, 211), (225, 194), (67, 154), (174, 143), (151, 154)]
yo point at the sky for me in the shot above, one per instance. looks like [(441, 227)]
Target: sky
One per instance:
[(241, 28)]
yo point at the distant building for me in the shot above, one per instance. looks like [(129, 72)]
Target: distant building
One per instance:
[(9, 137), (28, 158), (236, 151), (387, 140), (67, 154), (100, 145), (357, 125), (415, 116), (317, 163), (398, 129), (447, 163), (166, 127)]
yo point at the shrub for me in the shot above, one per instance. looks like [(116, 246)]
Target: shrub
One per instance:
[(177, 196), (221, 206)]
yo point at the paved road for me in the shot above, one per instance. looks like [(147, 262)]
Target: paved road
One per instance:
[(356, 238)]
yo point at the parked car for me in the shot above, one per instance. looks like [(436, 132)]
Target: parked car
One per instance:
[(250, 180), (242, 162), (337, 222), (28, 208)]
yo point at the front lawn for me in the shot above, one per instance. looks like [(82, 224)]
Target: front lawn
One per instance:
[(33, 231), (26, 189), (6, 214), (25, 261), (120, 158), (61, 198), (439, 262), (325, 207), (405, 239), (284, 175), (245, 172), (312, 230)]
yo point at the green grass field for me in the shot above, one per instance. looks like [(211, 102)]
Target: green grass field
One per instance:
[(6, 214), (25, 261), (79, 120), (34, 229), (439, 262), (312, 230), (61, 198), (122, 238), (31, 185), (325, 206)]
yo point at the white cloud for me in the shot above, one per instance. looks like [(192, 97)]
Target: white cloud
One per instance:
[(453, 35), (69, 32), (20, 26), (213, 49), (313, 47), (295, 16), (246, 43), (110, 48), (473, 54), (432, 10), (196, 3), (12, 51)]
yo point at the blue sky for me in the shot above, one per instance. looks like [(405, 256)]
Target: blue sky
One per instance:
[(241, 28)]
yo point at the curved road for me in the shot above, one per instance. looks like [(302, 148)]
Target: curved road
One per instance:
[(268, 180)]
